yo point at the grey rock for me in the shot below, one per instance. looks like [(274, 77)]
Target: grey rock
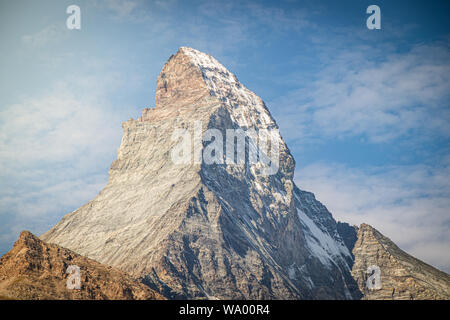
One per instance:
[(402, 277), (201, 231)]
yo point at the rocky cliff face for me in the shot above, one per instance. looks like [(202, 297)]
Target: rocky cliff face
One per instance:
[(402, 277), (36, 270), (349, 235), (198, 230)]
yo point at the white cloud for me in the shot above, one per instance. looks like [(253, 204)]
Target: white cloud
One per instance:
[(126, 10), (122, 8), (55, 128), (55, 150), (408, 204), (383, 97), (38, 205), (47, 35)]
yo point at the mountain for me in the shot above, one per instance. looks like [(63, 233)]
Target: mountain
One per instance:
[(211, 229), (402, 277), (34, 269), (348, 234)]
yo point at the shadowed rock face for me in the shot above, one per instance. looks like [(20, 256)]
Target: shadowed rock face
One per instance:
[(208, 231), (348, 233), (403, 277), (36, 270)]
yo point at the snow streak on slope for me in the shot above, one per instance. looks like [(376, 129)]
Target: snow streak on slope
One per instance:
[(208, 230), (249, 111), (247, 108), (322, 245)]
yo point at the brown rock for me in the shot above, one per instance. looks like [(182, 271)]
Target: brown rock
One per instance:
[(403, 277), (35, 270)]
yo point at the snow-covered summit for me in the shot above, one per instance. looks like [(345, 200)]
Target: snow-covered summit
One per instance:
[(246, 107)]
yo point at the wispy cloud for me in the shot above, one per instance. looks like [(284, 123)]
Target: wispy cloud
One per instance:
[(53, 128), (122, 9), (49, 34), (135, 11), (55, 149), (383, 98)]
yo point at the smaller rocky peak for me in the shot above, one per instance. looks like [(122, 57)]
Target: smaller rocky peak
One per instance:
[(28, 248), (34, 269), (364, 227), (384, 271), (26, 238)]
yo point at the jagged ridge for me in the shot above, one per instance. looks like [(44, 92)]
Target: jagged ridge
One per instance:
[(37, 270), (208, 231), (403, 277)]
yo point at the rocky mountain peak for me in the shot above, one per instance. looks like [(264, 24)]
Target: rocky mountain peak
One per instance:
[(190, 75), (191, 78), (181, 82), (26, 238), (401, 276), (209, 230), (200, 230)]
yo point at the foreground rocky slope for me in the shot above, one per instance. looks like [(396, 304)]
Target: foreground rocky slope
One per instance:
[(198, 230), (402, 276), (36, 270)]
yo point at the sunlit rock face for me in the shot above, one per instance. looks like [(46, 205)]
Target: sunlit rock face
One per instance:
[(35, 270), (401, 276), (209, 231)]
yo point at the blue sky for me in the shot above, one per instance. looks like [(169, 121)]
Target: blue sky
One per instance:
[(364, 112)]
